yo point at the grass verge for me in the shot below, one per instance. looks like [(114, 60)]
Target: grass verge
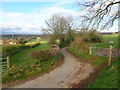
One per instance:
[(108, 77), (79, 53), (99, 61)]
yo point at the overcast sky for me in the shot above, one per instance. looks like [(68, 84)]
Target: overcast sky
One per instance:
[(28, 16)]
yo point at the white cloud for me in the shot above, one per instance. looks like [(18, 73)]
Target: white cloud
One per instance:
[(58, 10), (34, 19), (32, 22)]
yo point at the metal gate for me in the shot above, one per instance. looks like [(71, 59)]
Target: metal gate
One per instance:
[(3, 65), (99, 51), (95, 50)]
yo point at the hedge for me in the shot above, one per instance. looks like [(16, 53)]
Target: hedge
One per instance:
[(44, 54), (11, 48)]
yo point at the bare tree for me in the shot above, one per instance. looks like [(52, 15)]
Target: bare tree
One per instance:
[(59, 27), (56, 25), (100, 13), (59, 24)]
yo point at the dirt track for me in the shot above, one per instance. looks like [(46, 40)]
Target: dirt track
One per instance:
[(68, 74)]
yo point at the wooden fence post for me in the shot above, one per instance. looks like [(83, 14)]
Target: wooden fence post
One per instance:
[(8, 61), (97, 52), (90, 52), (110, 56)]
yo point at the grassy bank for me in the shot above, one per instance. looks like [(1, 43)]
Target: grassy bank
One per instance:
[(21, 72), (95, 61), (98, 61), (108, 77), (79, 53)]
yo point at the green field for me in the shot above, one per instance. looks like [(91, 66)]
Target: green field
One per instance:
[(23, 57), (107, 39), (33, 40)]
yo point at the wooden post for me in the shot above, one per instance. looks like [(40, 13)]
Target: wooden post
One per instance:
[(110, 56), (8, 61), (97, 51), (90, 52)]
